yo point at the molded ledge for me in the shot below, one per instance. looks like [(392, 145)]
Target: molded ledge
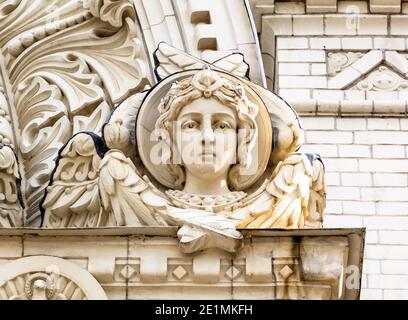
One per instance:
[(146, 263), (357, 108)]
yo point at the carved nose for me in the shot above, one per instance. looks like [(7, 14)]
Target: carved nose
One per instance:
[(208, 136)]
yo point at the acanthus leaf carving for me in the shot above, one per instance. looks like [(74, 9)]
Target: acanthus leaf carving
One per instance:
[(44, 129), (6, 131), (38, 105), (11, 211), (116, 56), (11, 205), (71, 75), (93, 122), (68, 63), (26, 22), (111, 11)]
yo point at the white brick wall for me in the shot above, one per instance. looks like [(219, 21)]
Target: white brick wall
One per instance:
[(367, 176), (361, 135)]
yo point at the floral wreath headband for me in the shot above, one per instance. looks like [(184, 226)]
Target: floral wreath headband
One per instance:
[(209, 82)]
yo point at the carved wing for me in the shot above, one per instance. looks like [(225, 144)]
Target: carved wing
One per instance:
[(284, 203), (72, 198), (93, 187), (119, 132), (317, 199), (169, 60), (121, 189)]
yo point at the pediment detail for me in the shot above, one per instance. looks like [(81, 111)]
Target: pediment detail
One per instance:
[(382, 79), (381, 68)]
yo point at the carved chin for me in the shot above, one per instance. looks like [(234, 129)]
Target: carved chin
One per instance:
[(207, 170)]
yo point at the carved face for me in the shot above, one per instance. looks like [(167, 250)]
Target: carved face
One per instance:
[(207, 138), (208, 131)]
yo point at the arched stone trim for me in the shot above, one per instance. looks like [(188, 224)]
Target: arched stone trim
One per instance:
[(56, 279)]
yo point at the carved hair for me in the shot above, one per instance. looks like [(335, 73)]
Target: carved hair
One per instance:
[(209, 84)]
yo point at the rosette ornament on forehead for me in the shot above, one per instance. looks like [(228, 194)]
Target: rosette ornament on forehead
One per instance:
[(207, 81)]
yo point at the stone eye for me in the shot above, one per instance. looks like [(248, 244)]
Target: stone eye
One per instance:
[(222, 125), (190, 125)]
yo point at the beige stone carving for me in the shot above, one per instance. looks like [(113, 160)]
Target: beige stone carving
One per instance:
[(338, 61), (47, 278), (204, 29), (11, 210), (383, 79), (67, 63), (171, 60), (377, 70), (229, 163), (146, 263)]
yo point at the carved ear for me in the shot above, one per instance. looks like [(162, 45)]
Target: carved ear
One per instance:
[(169, 60)]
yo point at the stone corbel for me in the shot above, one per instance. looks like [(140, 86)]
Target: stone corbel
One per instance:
[(207, 267), (153, 267), (102, 268)]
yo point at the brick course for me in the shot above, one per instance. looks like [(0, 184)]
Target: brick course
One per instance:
[(362, 136)]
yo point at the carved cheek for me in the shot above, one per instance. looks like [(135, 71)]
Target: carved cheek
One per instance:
[(189, 145), (226, 144)]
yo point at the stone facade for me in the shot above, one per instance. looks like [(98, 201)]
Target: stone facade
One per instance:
[(343, 66), (146, 263)]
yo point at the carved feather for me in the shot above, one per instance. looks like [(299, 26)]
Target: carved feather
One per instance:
[(169, 60), (120, 189), (317, 199), (288, 192), (91, 191)]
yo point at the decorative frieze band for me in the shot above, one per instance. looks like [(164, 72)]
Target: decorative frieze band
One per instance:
[(297, 264)]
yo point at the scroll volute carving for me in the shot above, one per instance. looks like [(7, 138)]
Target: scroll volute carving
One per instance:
[(68, 64)]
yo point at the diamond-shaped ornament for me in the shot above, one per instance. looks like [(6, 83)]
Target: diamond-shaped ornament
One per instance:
[(286, 272), (232, 273), (127, 272), (179, 272)]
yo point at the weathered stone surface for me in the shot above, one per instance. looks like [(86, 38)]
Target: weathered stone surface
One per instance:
[(146, 263)]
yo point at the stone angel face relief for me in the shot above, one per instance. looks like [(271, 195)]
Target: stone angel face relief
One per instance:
[(205, 150), (209, 127)]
